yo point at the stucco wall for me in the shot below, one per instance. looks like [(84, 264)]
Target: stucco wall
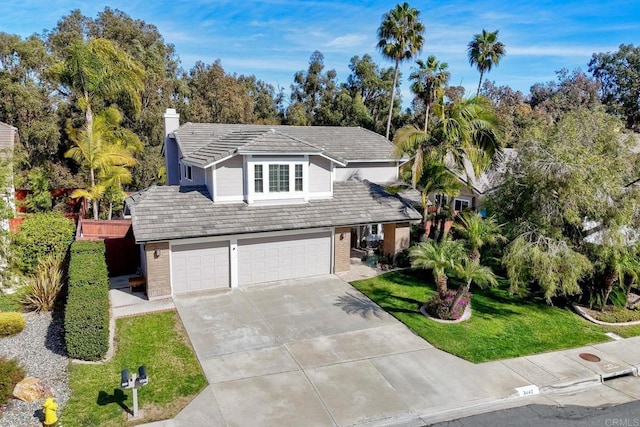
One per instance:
[(158, 270), (379, 172), (342, 249), (319, 175), (229, 178)]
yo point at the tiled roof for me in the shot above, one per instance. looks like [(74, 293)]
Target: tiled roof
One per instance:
[(207, 142), (172, 212)]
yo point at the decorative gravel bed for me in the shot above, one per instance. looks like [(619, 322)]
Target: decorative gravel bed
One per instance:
[(40, 350)]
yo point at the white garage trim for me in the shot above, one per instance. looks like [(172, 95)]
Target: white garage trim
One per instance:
[(247, 236)]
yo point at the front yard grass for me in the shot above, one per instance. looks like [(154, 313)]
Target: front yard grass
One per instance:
[(157, 341), (501, 326)]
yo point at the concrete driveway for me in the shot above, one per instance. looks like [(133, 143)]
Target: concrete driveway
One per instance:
[(316, 352)]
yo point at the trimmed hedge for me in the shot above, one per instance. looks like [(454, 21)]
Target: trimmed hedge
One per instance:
[(86, 319), (11, 323)]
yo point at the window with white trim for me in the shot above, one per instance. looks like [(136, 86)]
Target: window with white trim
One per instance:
[(460, 205), (298, 177), (258, 179), (278, 178)]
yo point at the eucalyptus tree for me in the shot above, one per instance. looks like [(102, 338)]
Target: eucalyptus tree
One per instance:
[(400, 38), (485, 52), (429, 81)]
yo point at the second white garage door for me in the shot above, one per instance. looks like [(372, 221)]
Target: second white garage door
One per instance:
[(285, 257), (199, 266)]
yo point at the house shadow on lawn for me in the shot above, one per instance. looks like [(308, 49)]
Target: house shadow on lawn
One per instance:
[(118, 397)]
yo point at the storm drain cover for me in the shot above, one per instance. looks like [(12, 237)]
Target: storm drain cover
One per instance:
[(589, 357)]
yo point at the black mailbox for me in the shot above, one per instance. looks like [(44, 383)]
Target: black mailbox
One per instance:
[(142, 375), (124, 381)]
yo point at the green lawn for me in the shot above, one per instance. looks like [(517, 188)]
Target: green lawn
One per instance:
[(157, 341), (501, 326)]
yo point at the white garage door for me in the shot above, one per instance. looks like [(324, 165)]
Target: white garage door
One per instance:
[(285, 257), (199, 266)]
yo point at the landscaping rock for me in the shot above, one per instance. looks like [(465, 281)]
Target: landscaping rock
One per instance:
[(30, 389)]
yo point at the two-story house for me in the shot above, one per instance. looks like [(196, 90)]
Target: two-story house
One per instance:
[(249, 204)]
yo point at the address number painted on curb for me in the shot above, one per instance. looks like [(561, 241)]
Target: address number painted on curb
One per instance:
[(528, 390)]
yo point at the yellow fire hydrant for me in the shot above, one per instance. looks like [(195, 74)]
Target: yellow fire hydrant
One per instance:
[(50, 407)]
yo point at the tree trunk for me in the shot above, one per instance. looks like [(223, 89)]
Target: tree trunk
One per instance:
[(88, 114), (475, 255), (609, 280), (441, 285), (110, 209), (480, 82), (393, 96), (460, 294), (426, 118)]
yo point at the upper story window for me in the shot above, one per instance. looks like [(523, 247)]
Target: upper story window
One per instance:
[(278, 178), (187, 172), (258, 179), (298, 178)]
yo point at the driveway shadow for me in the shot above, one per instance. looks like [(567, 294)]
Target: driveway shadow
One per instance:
[(352, 303)]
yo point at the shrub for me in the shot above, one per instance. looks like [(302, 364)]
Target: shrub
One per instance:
[(45, 285), (88, 246), (87, 312), (440, 307), (11, 323), (41, 235), (10, 374)]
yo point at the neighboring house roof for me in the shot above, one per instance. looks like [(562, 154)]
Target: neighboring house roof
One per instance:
[(206, 143), (172, 212)]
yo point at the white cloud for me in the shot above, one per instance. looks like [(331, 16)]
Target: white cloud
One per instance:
[(348, 41), (562, 51)]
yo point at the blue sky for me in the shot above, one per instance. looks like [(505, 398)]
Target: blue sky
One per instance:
[(273, 39)]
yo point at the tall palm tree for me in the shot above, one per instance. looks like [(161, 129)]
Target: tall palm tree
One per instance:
[(97, 69), (477, 232), (440, 257), (400, 39), (102, 150), (429, 82), (485, 52)]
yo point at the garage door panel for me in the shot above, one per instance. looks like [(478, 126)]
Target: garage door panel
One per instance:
[(200, 266), (284, 257)]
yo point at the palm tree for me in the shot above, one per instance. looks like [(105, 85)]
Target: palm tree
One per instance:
[(400, 39), (429, 81), (103, 151), (470, 271), (440, 257), (478, 231), (465, 129), (485, 51), (97, 69)]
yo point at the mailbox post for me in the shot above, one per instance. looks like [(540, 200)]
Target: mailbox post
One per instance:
[(133, 382)]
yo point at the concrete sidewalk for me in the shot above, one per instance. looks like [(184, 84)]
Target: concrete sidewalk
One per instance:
[(317, 352)]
